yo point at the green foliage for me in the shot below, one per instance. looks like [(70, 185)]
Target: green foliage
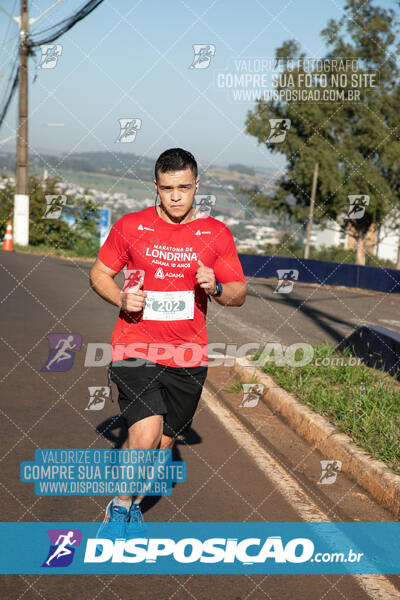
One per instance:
[(341, 255), (238, 385), (287, 246), (357, 145), (82, 236), (360, 401), (6, 205), (294, 249)]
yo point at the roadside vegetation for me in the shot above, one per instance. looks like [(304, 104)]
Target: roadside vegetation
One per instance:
[(360, 401)]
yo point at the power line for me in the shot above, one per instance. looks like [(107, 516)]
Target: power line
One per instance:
[(9, 79), (27, 43), (5, 40), (7, 102), (50, 34), (55, 31), (6, 99)]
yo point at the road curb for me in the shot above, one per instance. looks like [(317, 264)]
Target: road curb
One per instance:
[(373, 475)]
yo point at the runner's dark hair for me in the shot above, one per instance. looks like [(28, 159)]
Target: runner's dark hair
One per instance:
[(175, 159)]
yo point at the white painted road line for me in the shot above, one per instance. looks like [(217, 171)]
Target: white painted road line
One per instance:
[(377, 587)]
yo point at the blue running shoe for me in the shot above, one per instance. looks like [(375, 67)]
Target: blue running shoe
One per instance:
[(136, 525), (114, 524)]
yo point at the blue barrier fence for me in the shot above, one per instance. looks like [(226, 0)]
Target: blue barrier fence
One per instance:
[(323, 272)]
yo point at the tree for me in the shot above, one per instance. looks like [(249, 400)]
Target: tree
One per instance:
[(75, 228), (356, 144)]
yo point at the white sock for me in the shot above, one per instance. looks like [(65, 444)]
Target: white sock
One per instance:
[(124, 503)]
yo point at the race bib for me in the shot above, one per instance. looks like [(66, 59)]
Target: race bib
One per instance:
[(169, 306)]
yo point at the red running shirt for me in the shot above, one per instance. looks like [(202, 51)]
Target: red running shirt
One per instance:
[(168, 253)]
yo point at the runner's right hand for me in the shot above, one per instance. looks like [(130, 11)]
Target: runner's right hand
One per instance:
[(133, 299)]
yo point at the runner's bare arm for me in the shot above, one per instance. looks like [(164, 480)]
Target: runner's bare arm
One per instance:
[(233, 294), (102, 282)]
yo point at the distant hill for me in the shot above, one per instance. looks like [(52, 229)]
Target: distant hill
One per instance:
[(133, 174), (111, 162), (239, 168), (90, 162)]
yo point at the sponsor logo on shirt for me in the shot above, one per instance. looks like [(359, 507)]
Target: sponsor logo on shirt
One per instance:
[(141, 228), (161, 275), (198, 232)]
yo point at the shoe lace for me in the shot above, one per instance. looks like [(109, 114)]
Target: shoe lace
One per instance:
[(136, 515), (117, 514)]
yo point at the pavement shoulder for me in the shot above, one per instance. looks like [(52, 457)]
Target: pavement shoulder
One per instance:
[(373, 475)]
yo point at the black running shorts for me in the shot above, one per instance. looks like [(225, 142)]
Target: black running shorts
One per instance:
[(158, 390)]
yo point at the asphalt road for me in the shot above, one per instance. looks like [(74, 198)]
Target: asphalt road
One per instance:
[(310, 313), (242, 466)]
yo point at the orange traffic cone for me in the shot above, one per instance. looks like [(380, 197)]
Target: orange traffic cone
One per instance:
[(8, 238)]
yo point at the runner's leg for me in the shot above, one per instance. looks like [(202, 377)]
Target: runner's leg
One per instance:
[(144, 434), (166, 443)]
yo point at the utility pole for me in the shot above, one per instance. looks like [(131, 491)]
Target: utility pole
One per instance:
[(311, 211), (21, 198)]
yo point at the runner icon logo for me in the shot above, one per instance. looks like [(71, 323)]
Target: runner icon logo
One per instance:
[(204, 203), (202, 55), (286, 279), (62, 547), (55, 205), (357, 204), (50, 55), (279, 129), (133, 279), (98, 397), (252, 393), (62, 351), (128, 130), (330, 470)]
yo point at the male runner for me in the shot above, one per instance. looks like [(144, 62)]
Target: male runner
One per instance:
[(159, 342)]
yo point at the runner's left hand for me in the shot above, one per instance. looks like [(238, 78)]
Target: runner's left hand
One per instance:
[(206, 278)]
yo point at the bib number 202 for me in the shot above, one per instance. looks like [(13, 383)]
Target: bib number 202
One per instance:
[(168, 305)]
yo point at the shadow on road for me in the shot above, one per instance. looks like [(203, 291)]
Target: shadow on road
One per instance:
[(317, 316), (116, 424)]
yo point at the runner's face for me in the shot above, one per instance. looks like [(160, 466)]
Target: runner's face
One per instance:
[(176, 190)]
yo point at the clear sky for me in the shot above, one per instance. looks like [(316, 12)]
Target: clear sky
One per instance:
[(131, 58)]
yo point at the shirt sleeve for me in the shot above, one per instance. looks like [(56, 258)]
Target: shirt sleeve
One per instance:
[(114, 251), (227, 265)]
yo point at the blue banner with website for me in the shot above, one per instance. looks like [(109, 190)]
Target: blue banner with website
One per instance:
[(203, 548), (81, 472)]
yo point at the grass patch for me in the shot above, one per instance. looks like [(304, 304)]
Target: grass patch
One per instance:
[(360, 401), (238, 386), (78, 253)]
